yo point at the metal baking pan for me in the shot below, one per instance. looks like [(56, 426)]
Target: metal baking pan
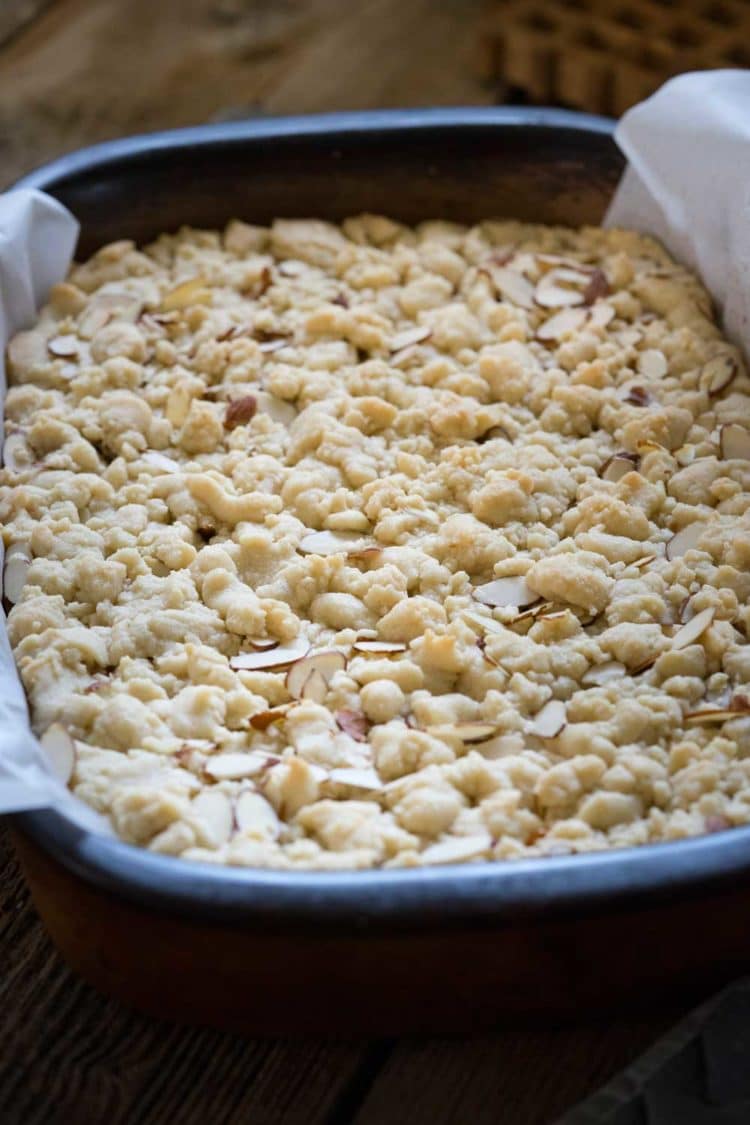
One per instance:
[(377, 951)]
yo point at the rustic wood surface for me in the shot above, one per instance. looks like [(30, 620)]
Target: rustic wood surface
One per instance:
[(77, 71)]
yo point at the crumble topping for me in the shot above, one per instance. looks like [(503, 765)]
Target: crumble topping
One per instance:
[(361, 545)]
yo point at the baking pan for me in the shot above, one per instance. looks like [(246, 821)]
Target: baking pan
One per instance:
[(375, 951)]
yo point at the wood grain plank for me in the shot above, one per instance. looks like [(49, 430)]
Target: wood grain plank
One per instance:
[(516, 1077), (68, 1055)]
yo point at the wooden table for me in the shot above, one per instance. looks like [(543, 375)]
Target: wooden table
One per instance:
[(77, 71)]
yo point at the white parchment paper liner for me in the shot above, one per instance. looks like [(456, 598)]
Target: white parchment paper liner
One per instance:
[(687, 183)]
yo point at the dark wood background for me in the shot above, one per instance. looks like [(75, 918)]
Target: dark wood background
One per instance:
[(77, 71)]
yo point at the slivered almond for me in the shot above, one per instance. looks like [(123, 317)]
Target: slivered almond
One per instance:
[(685, 540), (717, 375), (561, 287), (63, 346), (353, 723), (513, 286), (215, 808), (549, 720), (16, 453), (278, 657), (652, 363), (254, 814), (601, 674), (60, 751), (468, 732), (358, 778), (234, 765), (160, 461), (15, 571), (734, 442), (381, 647), (456, 849), (192, 292), (276, 408), (312, 675), (409, 337), (692, 629), (618, 465), (561, 323), (330, 542), (511, 591)]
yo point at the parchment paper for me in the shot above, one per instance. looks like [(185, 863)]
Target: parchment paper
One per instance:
[(687, 183)]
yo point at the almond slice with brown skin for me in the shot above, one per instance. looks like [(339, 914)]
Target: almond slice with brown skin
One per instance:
[(215, 809), (262, 644), (60, 751), (15, 571), (510, 591), (688, 633), (601, 674), (685, 540), (353, 723), (697, 718), (457, 849), (319, 668), (278, 657), (264, 719), (385, 648), (240, 411), (618, 465), (513, 286), (468, 732), (718, 374), (256, 816), (358, 778), (561, 287), (192, 292), (734, 442), (63, 346), (549, 720), (158, 460), (409, 337), (330, 542), (598, 286), (561, 324)]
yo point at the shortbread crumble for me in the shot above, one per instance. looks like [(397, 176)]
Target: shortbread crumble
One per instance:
[(360, 546)]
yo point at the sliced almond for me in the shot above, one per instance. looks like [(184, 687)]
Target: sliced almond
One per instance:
[(192, 292), (15, 571), (692, 629), (160, 461), (644, 560), (275, 345), (549, 720), (329, 542), (601, 674), (561, 324), (468, 732), (409, 337), (278, 657), (381, 647), (215, 809), (697, 718), (262, 644), (618, 465), (717, 375), (234, 765), (27, 350), (63, 346), (60, 750), (734, 442), (320, 668), (276, 408), (561, 287), (353, 723), (240, 411), (601, 315), (256, 816), (358, 778), (366, 554), (597, 287), (637, 396), (652, 363), (511, 591), (513, 286), (541, 609), (16, 453), (457, 849), (264, 719), (94, 318), (685, 540)]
